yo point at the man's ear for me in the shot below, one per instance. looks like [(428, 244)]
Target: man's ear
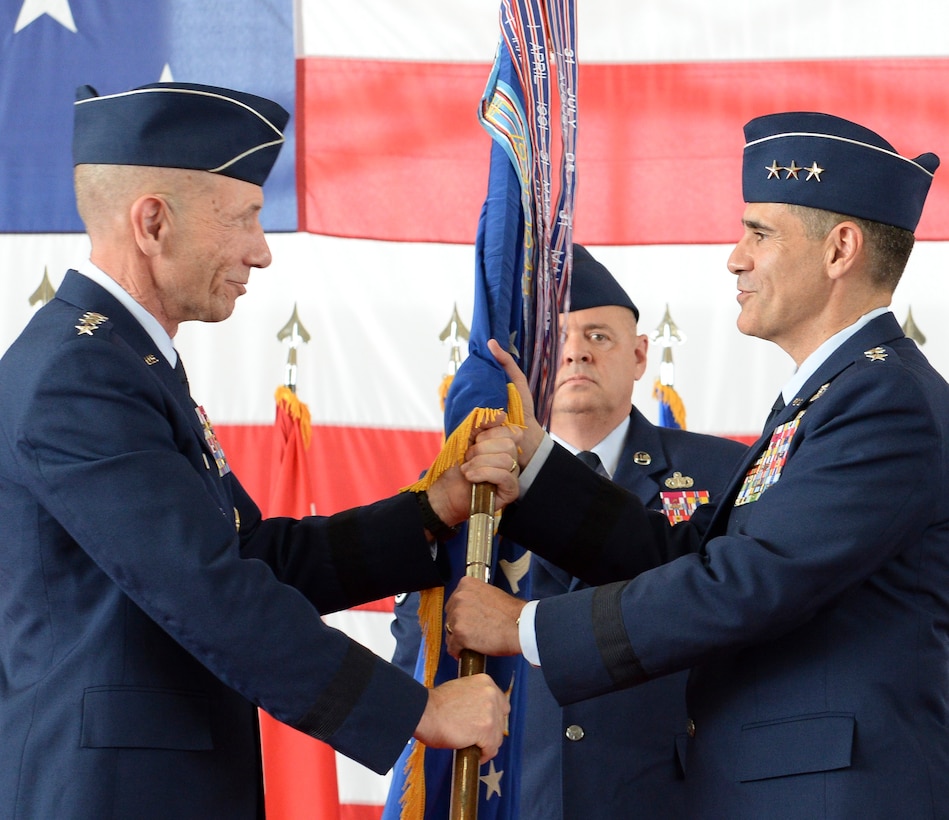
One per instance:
[(844, 246), (149, 217), (641, 354)]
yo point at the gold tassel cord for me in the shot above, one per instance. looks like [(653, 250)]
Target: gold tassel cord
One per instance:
[(431, 601), (454, 449), (297, 410)]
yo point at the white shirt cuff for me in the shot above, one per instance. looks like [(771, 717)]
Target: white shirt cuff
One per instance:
[(537, 461), (527, 635)]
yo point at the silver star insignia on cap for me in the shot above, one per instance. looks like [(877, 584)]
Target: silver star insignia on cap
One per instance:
[(814, 171)]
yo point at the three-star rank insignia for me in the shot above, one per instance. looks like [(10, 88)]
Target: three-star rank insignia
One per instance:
[(793, 170), (89, 322), (876, 354)]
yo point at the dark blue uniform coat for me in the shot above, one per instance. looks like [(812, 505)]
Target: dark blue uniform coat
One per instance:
[(146, 608), (814, 618), (628, 752)]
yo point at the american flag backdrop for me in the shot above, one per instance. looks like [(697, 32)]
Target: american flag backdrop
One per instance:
[(373, 206)]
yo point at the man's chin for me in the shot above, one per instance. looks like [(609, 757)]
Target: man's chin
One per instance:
[(220, 311), (572, 405)]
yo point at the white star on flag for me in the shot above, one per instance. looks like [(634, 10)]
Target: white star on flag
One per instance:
[(33, 9)]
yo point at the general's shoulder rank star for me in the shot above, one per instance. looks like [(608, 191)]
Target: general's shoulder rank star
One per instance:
[(876, 354), (89, 322)]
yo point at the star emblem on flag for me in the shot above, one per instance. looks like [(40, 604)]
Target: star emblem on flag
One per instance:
[(492, 780), (57, 9)]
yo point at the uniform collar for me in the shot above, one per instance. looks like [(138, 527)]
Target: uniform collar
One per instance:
[(608, 450), (811, 364), (148, 322)]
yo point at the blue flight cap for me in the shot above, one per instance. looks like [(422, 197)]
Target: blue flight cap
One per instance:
[(180, 125), (592, 285), (821, 161)]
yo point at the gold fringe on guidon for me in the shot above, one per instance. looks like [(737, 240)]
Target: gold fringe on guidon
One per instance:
[(431, 601), (454, 449), (297, 410), (667, 394)]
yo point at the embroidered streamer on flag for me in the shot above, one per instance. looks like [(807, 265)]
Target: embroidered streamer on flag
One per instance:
[(522, 271), (541, 37)]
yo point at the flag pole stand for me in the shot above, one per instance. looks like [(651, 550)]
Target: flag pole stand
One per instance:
[(466, 767)]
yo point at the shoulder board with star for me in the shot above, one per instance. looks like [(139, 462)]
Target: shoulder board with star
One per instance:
[(89, 323), (877, 354)]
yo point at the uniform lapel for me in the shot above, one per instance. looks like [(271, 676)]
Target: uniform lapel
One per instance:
[(881, 330), (86, 295), (643, 461)]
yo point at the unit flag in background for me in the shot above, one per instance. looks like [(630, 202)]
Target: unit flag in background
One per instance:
[(671, 406), (299, 771)]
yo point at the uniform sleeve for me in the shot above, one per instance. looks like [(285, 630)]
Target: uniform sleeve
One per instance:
[(111, 455), (590, 526), (854, 500)]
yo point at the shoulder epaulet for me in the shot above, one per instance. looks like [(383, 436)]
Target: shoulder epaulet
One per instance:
[(877, 354), (89, 322)]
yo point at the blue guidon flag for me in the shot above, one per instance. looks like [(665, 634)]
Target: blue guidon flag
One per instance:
[(521, 279)]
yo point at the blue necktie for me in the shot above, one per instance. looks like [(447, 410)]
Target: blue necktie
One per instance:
[(182, 376), (591, 459), (776, 408)]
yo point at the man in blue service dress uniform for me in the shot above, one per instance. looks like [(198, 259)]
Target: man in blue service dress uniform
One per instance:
[(563, 772), (146, 607), (814, 611)]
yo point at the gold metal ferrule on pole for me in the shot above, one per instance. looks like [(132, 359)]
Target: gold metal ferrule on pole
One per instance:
[(466, 768)]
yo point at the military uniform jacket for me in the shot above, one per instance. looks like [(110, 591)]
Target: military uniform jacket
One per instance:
[(623, 752), (814, 614), (147, 608)]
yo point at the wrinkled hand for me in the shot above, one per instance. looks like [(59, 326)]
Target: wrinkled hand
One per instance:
[(492, 458), (534, 433), (483, 618), (465, 712)]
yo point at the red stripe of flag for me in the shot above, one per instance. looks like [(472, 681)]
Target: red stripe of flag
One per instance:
[(393, 150)]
